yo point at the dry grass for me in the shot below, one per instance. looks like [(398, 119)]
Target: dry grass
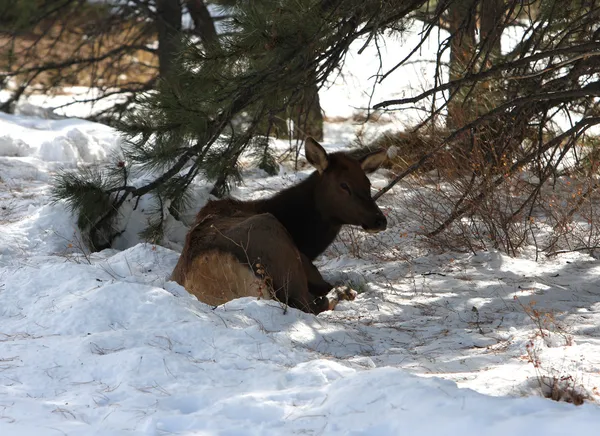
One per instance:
[(410, 147), (555, 384), (472, 195), (564, 388), (84, 32)]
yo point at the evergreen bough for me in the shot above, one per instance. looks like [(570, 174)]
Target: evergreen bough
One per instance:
[(216, 104)]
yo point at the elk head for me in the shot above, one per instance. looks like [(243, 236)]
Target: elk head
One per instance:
[(343, 190)]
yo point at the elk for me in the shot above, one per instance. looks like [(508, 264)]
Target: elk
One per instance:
[(266, 248)]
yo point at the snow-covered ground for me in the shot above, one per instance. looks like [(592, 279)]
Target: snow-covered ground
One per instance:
[(105, 344), (435, 343)]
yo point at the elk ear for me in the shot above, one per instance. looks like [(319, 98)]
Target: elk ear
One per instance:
[(316, 155), (372, 161)]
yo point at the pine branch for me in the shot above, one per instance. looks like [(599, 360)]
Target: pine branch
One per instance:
[(589, 49), (272, 54)]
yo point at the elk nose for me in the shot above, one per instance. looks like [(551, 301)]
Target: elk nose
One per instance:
[(381, 222)]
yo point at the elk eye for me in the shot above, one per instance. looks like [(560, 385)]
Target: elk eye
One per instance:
[(345, 187)]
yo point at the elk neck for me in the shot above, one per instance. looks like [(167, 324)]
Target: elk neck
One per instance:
[(309, 224)]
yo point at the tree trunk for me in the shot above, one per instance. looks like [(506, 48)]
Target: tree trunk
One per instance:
[(204, 25), (461, 21), (168, 24), (489, 92), (307, 113), (491, 26), (311, 113)]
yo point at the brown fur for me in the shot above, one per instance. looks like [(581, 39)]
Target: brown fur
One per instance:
[(265, 248), (216, 278)]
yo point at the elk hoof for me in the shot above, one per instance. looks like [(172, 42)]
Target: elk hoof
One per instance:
[(345, 293), (340, 293)]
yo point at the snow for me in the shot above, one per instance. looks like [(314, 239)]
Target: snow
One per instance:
[(104, 344), (66, 141), (435, 343)]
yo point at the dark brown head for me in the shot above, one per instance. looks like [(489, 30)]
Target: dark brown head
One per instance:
[(343, 191)]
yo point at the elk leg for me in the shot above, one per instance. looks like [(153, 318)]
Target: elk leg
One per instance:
[(265, 245), (328, 295), (317, 285)]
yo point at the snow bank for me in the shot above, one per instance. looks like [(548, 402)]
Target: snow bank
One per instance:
[(31, 150), (46, 230), (106, 349), (64, 141)]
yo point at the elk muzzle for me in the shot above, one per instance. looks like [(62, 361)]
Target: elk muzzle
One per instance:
[(377, 224)]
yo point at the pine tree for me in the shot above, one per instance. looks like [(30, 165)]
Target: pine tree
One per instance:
[(214, 105)]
